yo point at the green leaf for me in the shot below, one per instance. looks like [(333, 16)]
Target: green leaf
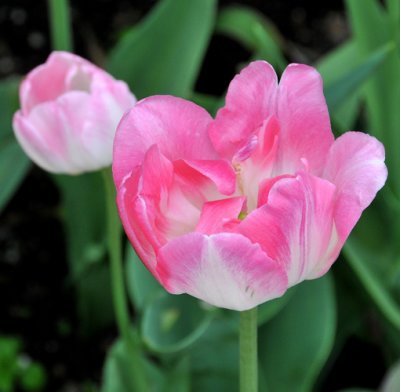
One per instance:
[(118, 375), (361, 261), (338, 91), (163, 54), (294, 346), (371, 27), (14, 164), (334, 66), (254, 31), (142, 287), (178, 379), (84, 219), (9, 104), (215, 356), (269, 309), (173, 322)]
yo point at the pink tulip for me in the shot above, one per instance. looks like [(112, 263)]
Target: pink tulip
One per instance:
[(70, 110), (236, 210)]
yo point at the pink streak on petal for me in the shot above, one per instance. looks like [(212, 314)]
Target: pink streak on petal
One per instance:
[(260, 165), (177, 126), (225, 270), (140, 199), (216, 214), (249, 101), (296, 226), (220, 172), (265, 187), (356, 166), (304, 120)]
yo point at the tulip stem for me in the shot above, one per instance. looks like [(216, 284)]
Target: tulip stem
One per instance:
[(118, 284), (60, 25), (248, 351)]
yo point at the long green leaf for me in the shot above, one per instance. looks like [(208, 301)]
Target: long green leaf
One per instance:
[(14, 164), (163, 54), (295, 345), (371, 27), (84, 221), (141, 285), (359, 259), (173, 322), (254, 31), (334, 66), (338, 91)]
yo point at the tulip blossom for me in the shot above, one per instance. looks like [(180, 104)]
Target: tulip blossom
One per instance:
[(69, 112), (237, 209)]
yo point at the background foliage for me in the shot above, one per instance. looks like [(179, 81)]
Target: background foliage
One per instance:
[(341, 332)]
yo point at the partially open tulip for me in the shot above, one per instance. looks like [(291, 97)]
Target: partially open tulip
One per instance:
[(69, 113), (236, 210)]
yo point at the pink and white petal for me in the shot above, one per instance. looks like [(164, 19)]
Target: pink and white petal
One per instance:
[(296, 226), (219, 171), (249, 101), (38, 141), (260, 165), (84, 128), (356, 166), (304, 120), (47, 81), (192, 188), (178, 126), (216, 214), (134, 217), (225, 270), (266, 186), (141, 199)]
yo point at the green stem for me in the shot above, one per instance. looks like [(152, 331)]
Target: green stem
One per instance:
[(60, 25), (118, 283), (248, 351)]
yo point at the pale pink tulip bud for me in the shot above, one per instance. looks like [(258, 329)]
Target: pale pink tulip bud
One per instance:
[(69, 112), (236, 210)]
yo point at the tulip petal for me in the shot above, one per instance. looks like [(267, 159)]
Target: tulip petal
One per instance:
[(305, 130), (296, 226), (220, 172), (216, 215), (225, 270), (250, 100), (140, 199), (43, 146), (177, 126), (48, 81), (356, 165)]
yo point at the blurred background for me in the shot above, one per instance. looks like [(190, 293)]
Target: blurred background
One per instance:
[(56, 317)]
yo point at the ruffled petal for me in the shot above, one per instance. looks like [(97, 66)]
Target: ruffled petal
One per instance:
[(220, 172), (217, 216), (296, 226), (177, 126), (140, 200), (225, 270), (250, 100), (305, 130), (356, 166)]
